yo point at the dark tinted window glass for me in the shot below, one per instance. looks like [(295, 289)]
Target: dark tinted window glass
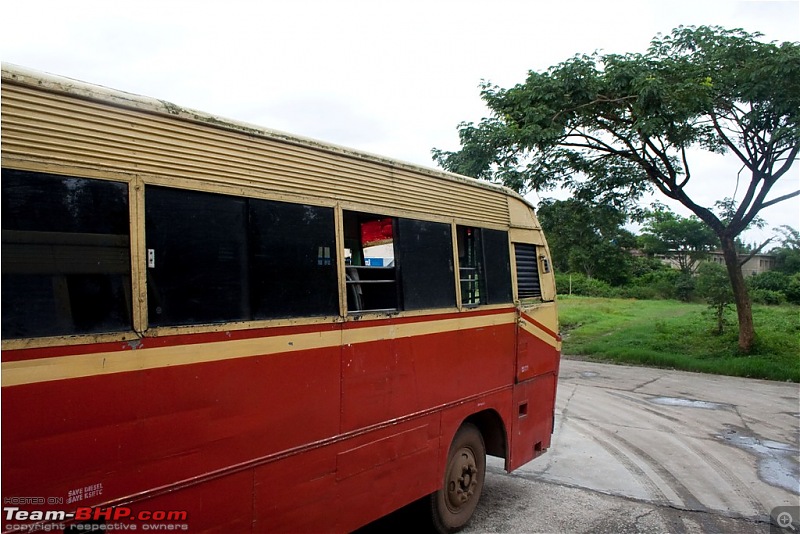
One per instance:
[(425, 257), (65, 255), (498, 268), (293, 260), (527, 271), (197, 257)]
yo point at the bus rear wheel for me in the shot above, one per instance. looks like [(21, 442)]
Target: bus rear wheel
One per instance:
[(453, 505)]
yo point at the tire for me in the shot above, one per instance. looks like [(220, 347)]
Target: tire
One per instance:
[(453, 505)]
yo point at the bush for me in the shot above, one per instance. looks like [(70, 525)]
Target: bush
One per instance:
[(640, 292), (663, 284), (793, 289), (767, 296), (770, 280), (584, 286)]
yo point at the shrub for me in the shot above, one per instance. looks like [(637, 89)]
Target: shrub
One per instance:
[(584, 286), (793, 289), (770, 280), (714, 286), (664, 284), (767, 296)]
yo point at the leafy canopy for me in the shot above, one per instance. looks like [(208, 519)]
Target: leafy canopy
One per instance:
[(587, 238), (612, 127), (687, 240)]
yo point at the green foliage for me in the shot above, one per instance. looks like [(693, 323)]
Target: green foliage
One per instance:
[(770, 280), (788, 254), (673, 335), (771, 287), (613, 127), (580, 284), (661, 284), (587, 238), (767, 296), (792, 291), (714, 286), (686, 240)]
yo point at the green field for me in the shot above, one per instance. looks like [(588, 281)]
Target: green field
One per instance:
[(677, 335)]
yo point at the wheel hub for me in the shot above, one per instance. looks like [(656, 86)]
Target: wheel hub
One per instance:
[(461, 481)]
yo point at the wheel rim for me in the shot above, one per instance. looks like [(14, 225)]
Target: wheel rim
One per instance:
[(462, 479)]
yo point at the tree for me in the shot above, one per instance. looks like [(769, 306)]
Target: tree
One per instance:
[(687, 240), (587, 238), (715, 289), (612, 127)]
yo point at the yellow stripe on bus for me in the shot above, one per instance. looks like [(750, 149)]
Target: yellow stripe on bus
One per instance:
[(84, 365), (542, 335)]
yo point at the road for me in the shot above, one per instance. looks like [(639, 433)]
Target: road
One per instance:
[(650, 450)]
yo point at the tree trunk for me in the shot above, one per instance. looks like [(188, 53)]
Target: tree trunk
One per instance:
[(744, 309)]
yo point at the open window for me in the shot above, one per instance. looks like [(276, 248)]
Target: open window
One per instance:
[(395, 263), (471, 266), (370, 271), (484, 268)]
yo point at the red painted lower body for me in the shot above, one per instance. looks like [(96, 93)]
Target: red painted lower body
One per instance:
[(326, 439)]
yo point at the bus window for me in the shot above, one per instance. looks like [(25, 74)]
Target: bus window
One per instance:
[(498, 266), (217, 258), (528, 284), (292, 260), (470, 263), (484, 270), (66, 255), (425, 256), (371, 275), (197, 271)]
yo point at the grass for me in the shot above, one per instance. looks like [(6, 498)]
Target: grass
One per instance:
[(677, 335)]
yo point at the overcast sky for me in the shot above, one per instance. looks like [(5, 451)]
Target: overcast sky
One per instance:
[(391, 78)]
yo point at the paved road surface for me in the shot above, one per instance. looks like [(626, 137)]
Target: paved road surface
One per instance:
[(650, 450)]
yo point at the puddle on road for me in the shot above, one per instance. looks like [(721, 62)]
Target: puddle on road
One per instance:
[(777, 462), (589, 374), (688, 403)]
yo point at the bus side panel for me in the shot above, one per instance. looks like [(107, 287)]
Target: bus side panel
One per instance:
[(134, 431), (219, 506), (532, 424), (382, 471), (297, 493), (390, 378)]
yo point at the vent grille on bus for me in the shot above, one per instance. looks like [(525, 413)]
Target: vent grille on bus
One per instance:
[(527, 271)]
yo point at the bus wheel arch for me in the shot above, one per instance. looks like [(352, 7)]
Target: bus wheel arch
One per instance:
[(491, 427)]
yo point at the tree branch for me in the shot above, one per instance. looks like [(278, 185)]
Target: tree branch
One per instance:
[(780, 199), (755, 251)]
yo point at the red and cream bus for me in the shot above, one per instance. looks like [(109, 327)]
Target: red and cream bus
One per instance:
[(254, 331)]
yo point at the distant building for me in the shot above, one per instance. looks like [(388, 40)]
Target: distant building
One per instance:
[(759, 263)]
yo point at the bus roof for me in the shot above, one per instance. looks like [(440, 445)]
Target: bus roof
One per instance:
[(41, 81)]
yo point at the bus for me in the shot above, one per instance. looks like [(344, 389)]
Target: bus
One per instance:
[(210, 326)]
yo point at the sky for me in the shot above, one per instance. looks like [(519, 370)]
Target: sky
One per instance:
[(390, 78)]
